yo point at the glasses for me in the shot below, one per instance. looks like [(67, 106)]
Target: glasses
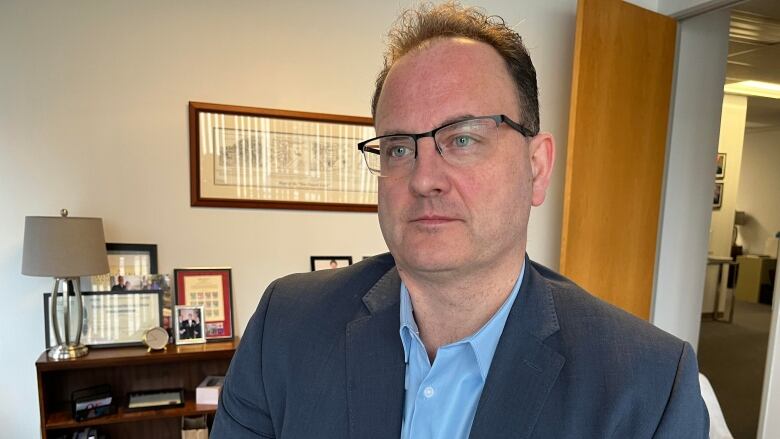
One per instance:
[(461, 144)]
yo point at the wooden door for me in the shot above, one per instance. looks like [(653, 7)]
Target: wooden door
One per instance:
[(621, 88)]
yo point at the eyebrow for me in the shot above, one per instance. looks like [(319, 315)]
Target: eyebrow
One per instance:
[(449, 120)]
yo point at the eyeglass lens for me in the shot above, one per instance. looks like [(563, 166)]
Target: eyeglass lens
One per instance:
[(460, 144)]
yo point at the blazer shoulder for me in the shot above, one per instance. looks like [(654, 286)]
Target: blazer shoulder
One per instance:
[(586, 320), (359, 276), (622, 376), (326, 295)]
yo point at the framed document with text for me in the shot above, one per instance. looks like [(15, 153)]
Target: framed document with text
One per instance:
[(263, 158), (111, 319), (210, 288)]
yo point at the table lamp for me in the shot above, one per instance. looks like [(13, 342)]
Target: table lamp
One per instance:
[(64, 248)]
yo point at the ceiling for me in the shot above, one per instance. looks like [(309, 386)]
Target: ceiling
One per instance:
[(754, 53)]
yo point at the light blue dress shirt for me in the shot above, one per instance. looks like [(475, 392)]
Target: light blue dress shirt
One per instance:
[(441, 399)]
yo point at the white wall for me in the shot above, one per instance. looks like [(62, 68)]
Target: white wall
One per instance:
[(687, 194), (93, 100), (758, 191), (732, 132), (768, 421)]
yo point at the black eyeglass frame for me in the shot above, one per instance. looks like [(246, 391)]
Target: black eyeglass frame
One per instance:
[(497, 118)]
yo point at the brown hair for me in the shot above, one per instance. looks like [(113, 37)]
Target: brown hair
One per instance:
[(415, 27)]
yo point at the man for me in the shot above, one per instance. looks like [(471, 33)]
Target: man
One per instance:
[(456, 333), (189, 328), (120, 284)]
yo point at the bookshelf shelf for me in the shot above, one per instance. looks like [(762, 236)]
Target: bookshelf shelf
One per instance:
[(129, 370)]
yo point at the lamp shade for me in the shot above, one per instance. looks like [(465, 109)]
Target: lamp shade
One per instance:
[(64, 247)]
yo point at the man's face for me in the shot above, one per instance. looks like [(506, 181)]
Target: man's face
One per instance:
[(441, 218)]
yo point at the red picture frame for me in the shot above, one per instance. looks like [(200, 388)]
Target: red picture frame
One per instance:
[(212, 288)]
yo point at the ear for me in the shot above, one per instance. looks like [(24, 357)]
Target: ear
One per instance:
[(541, 151)]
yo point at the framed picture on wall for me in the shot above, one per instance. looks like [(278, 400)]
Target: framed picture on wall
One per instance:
[(210, 288), (329, 262), (717, 199), (720, 165), (278, 159)]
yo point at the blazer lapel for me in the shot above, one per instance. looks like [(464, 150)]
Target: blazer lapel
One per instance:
[(375, 364), (523, 369)]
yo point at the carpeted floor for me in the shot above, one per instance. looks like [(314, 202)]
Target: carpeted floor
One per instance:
[(733, 357)]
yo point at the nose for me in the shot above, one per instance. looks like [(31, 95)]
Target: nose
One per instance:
[(429, 174)]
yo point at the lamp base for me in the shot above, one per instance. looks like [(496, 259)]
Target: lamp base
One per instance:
[(67, 352)]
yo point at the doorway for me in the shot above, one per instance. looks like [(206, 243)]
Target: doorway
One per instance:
[(737, 304)]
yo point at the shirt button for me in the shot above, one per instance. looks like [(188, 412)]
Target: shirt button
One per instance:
[(428, 392)]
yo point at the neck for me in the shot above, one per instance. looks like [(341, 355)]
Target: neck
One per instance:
[(449, 307)]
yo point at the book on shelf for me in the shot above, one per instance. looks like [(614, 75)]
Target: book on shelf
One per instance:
[(208, 390)]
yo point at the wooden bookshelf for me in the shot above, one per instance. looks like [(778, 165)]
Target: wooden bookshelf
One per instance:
[(129, 370)]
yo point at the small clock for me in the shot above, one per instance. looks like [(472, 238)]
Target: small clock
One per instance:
[(156, 338)]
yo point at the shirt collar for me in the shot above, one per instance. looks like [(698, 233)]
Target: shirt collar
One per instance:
[(408, 325), (483, 342)]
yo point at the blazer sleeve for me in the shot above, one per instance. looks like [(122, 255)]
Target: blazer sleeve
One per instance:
[(685, 414), (243, 410)]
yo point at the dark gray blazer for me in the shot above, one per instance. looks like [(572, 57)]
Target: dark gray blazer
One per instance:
[(322, 358)]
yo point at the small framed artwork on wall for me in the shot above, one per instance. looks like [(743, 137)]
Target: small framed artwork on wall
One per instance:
[(720, 165), (717, 198), (329, 262)]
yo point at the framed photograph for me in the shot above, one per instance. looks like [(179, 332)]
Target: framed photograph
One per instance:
[(329, 262), (717, 199), (124, 261), (276, 159), (111, 319), (720, 165), (190, 324), (210, 288)]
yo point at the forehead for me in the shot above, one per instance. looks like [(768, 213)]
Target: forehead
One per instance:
[(442, 80)]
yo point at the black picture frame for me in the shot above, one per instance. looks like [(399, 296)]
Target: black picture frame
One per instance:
[(107, 281), (316, 262), (717, 197), (116, 248), (89, 319)]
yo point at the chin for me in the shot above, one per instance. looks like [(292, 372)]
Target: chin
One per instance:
[(430, 260)]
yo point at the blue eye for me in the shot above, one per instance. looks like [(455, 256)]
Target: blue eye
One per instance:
[(462, 141), (399, 151)]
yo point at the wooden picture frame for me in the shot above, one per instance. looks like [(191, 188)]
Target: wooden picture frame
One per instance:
[(248, 157), (211, 288)]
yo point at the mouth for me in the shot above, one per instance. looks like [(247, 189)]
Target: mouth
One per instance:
[(433, 220)]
